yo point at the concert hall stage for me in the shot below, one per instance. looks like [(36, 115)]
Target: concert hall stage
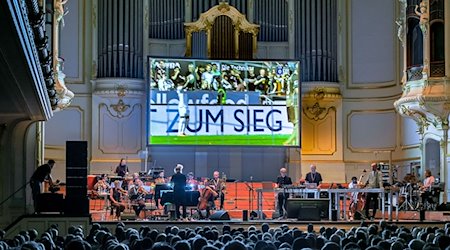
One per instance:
[(239, 198), (302, 225)]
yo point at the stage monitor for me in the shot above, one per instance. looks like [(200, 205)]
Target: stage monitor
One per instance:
[(223, 102), (294, 206)]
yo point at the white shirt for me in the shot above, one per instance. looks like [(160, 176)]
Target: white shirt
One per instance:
[(352, 185)]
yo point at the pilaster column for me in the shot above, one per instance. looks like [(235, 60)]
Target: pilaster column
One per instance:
[(187, 11), (447, 36), (291, 29), (250, 13), (444, 164)]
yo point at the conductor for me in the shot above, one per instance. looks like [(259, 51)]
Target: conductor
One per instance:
[(179, 193)]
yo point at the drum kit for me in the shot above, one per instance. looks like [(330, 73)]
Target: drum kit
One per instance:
[(409, 195)]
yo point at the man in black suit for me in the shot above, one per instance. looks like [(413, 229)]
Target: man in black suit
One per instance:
[(282, 181), (313, 176), (179, 193)]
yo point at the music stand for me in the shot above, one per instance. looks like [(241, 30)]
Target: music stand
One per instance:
[(250, 195)]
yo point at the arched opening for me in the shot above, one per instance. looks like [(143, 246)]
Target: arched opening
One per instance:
[(222, 38), (432, 157), (227, 33), (415, 44), (414, 55), (437, 49)]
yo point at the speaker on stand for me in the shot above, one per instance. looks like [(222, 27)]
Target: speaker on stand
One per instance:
[(76, 201)]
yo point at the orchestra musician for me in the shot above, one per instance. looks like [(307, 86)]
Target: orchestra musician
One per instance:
[(374, 180), (313, 176), (354, 196), (426, 187), (192, 183), (218, 185), (179, 192), (160, 182), (160, 179), (102, 184), (115, 196), (282, 181), (122, 168), (137, 195)]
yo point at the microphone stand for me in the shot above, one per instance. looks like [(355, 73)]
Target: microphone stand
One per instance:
[(235, 194), (250, 190), (252, 193)]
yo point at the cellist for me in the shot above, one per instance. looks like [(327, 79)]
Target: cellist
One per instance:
[(206, 200)]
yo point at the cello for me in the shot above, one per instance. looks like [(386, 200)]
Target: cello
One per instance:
[(206, 195)]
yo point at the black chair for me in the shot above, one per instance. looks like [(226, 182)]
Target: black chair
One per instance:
[(430, 198)]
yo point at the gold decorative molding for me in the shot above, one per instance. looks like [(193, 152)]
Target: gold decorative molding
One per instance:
[(120, 109), (401, 22), (207, 19), (419, 117), (317, 111)]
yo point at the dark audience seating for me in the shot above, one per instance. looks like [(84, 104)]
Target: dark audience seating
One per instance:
[(382, 236)]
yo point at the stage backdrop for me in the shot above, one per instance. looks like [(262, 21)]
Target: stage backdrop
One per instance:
[(233, 103)]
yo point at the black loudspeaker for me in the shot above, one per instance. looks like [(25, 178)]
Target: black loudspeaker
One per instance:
[(275, 215), (334, 215), (77, 202), (244, 215), (50, 202), (220, 215), (357, 216), (309, 213), (443, 207), (254, 216), (294, 206)]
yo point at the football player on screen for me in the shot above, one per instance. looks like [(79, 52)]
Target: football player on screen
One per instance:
[(183, 108)]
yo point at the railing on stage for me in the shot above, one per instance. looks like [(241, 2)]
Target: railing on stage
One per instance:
[(298, 191), (335, 197), (338, 193)]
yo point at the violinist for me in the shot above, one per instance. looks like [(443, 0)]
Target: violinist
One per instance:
[(160, 184), (179, 192), (115, 196), (192, 183), (137, 195), (102, 184), (160, 179), (218, 185)]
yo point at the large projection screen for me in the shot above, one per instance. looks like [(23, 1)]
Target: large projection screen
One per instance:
[(223, 102)]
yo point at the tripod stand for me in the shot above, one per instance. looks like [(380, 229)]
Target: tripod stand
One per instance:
[(251, 192), (235, 194), (408, 204)]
